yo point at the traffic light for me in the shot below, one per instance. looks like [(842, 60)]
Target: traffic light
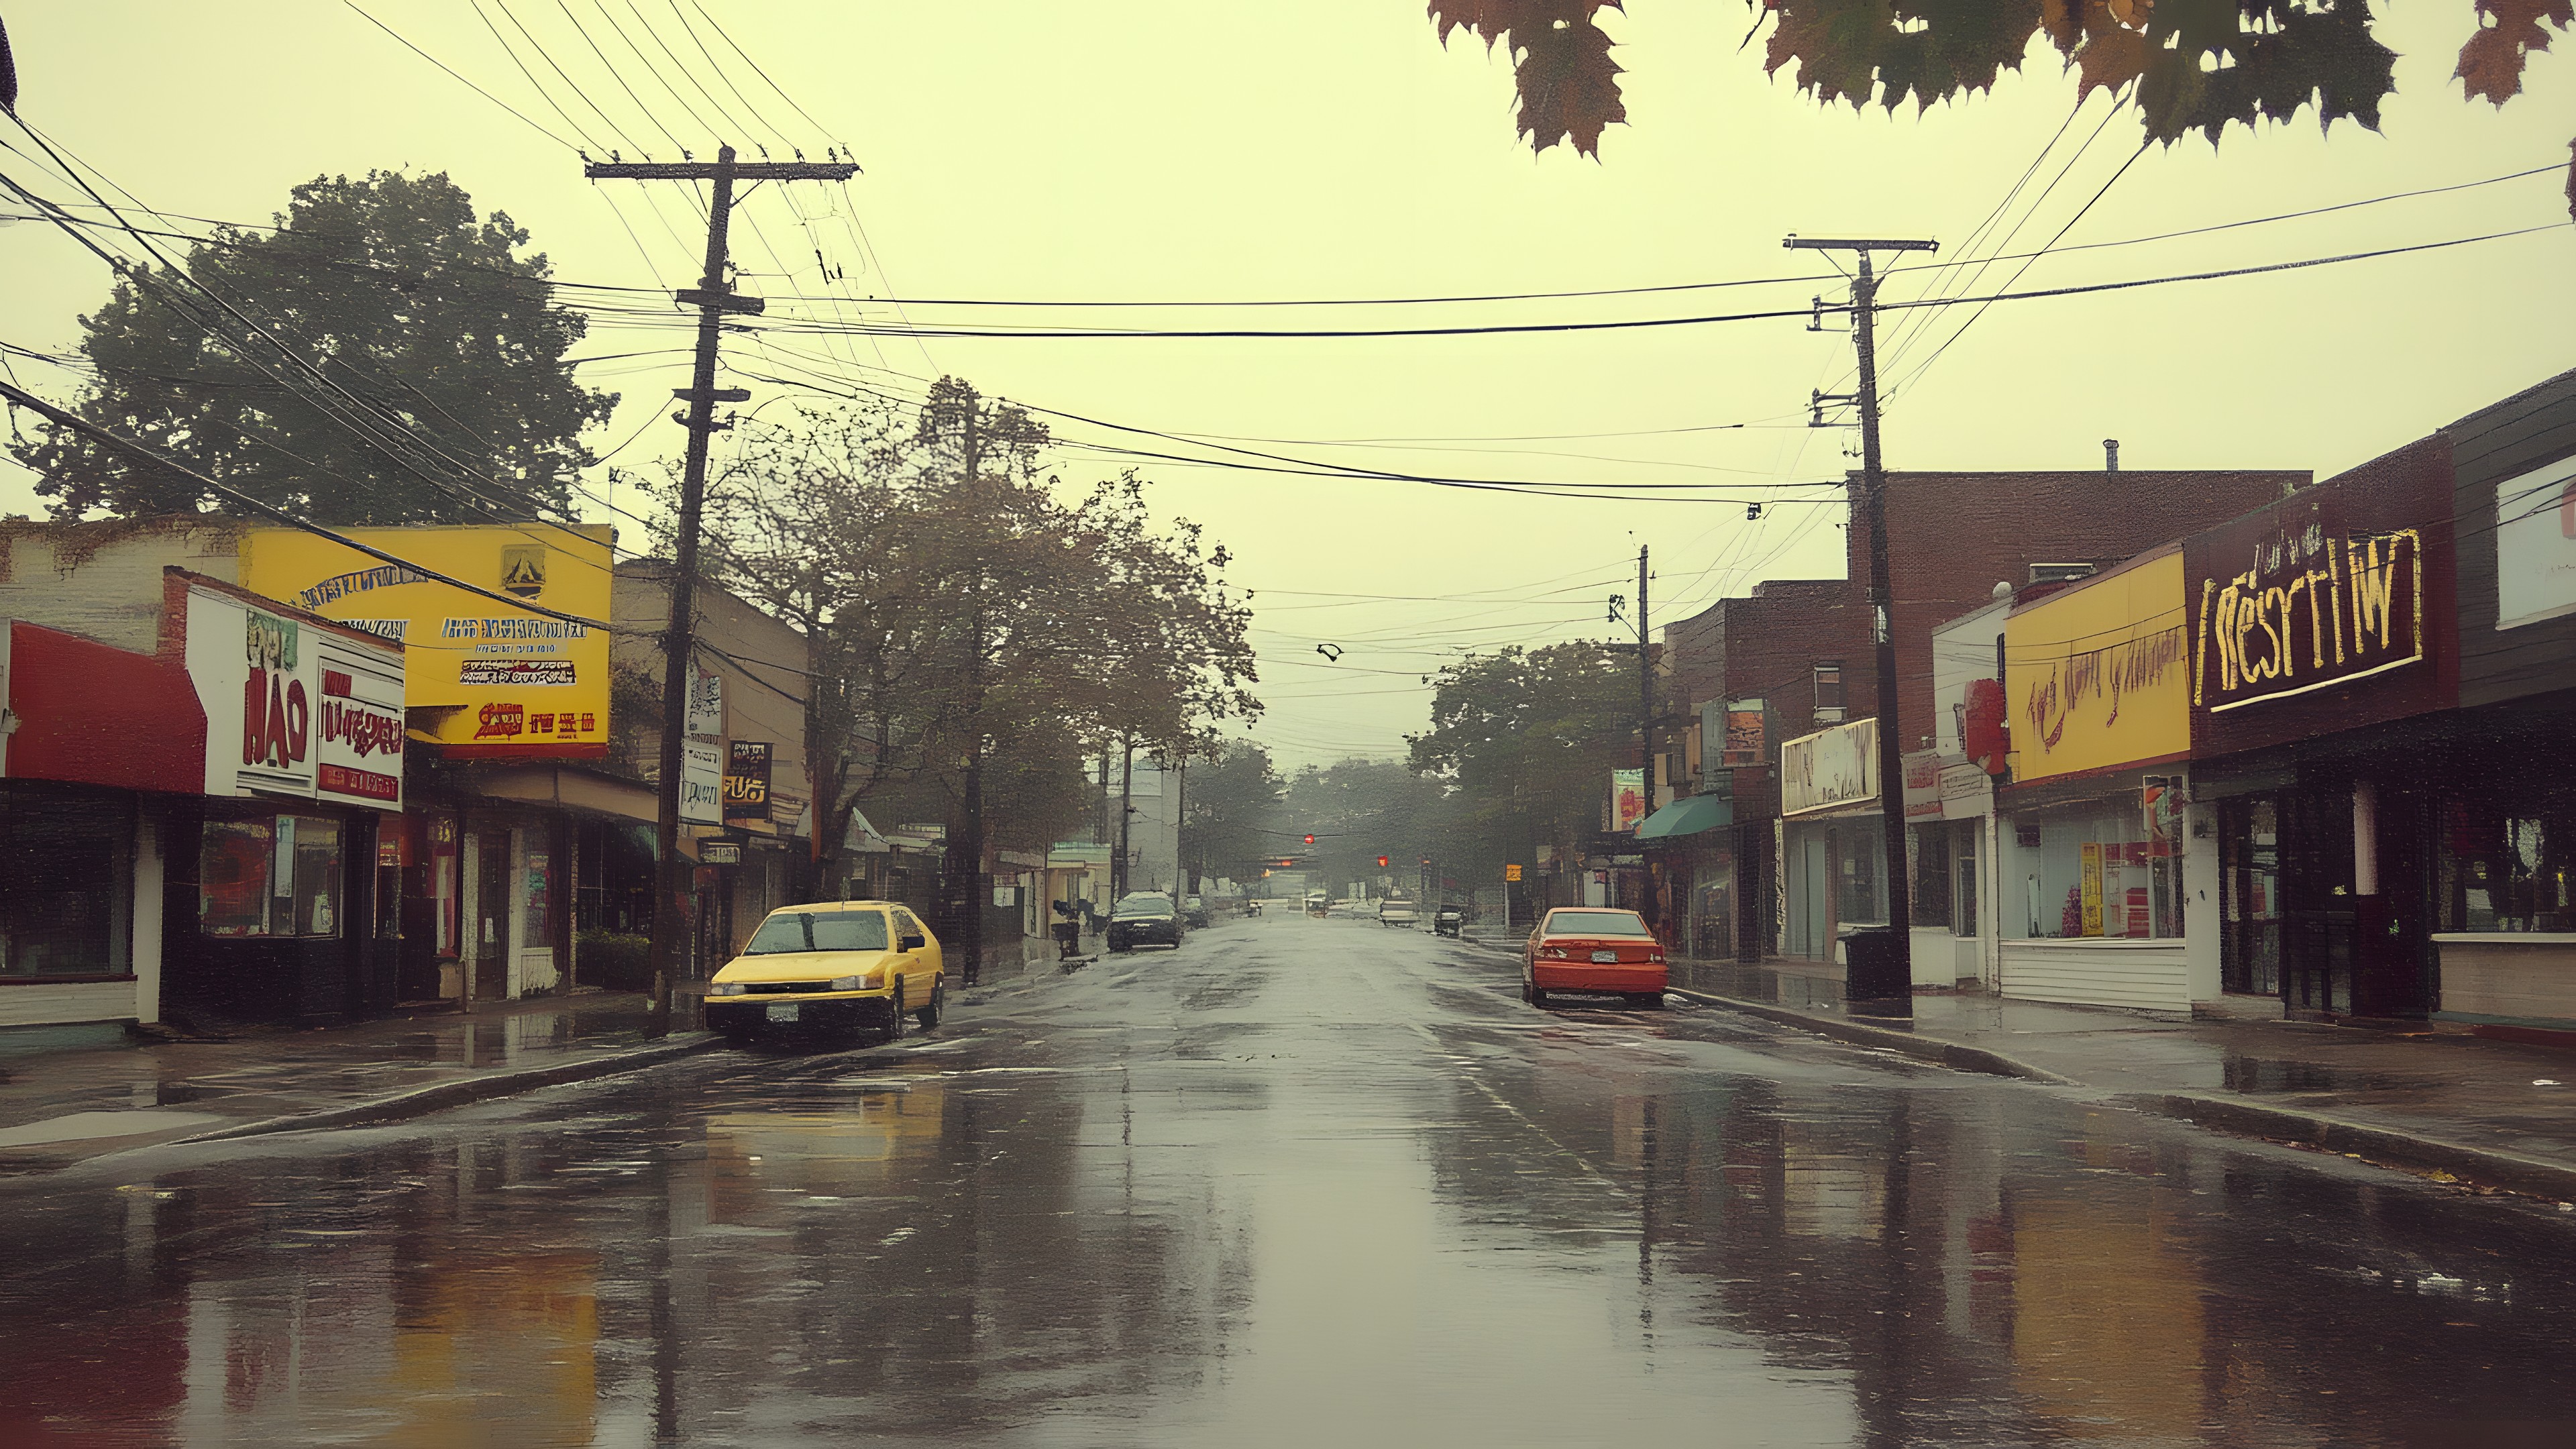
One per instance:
[(1381, 860), (1310, 840)]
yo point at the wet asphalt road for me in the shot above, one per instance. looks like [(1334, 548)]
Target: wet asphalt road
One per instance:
[(1301, 1182)]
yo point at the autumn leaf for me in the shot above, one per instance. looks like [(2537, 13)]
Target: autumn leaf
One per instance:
[(1561, 66), (2491, 63)]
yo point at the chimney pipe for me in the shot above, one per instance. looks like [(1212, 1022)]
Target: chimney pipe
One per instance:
[(2110, 455)]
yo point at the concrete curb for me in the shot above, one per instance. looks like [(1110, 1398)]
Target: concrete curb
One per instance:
[(438, 1097), (1905, 1043), (2510, 1171)]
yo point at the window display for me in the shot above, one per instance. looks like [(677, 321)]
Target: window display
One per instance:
[(66, 873), (2510, 866), (2098, 871), (270, 875)]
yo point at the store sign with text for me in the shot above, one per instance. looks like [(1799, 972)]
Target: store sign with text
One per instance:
[(293, 710), (2098, 676), (487, 679), (1627, 799), (746, 780), (2309, 610), (1830, 769), (701, 783)]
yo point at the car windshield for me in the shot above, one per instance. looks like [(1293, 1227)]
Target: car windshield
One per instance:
[(1597, 923), (819, 931), (1144, 906), (1195, 903)]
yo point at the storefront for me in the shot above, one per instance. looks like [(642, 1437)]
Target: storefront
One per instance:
[(2505, 884), (272, 910), (499, 700), (2321, 665), (1949, 819), (1692, 842), (1832, 843), (95, 744), (2091, 832)]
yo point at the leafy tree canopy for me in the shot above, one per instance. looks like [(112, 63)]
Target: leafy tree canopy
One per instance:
[(2190, 65), (1527, 738), (950, 604), (436, 328), (1232, 817)]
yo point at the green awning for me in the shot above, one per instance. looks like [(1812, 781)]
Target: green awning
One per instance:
[(1688, 816)]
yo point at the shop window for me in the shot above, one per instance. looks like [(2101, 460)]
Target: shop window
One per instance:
[(2097, 872), (66, 878), (1829, 691), (537, 922), (2511, 868), (270, 875), (1860, 896), (1963, 875), (1932, 869)]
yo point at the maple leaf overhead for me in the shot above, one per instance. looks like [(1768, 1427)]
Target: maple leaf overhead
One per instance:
[(2491, 63), (1561, 65), (2188, 65)]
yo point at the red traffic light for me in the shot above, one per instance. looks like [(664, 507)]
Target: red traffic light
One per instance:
[(1310, 840), (1286, 863), (1381, 860)]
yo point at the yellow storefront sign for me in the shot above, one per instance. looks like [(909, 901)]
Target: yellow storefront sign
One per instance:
[(2099, 676), (482, 678)]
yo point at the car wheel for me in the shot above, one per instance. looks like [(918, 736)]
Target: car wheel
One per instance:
[(1537, 998), (894, 1019), (741, 1040), (1646, 1000), (928, 1016)]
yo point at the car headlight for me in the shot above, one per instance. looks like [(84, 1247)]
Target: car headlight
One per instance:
[(725, 988), (854, 983)]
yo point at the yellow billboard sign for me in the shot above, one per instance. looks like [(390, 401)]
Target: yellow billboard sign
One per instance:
[(483, 679), (2099, 676)]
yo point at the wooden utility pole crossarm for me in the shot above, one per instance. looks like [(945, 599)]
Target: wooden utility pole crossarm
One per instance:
[(672, 876), (1884, 978)]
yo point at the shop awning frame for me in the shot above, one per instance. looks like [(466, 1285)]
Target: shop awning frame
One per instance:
[(1690, 815)]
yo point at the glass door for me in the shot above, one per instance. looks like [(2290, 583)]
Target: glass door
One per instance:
[(2249, 879)]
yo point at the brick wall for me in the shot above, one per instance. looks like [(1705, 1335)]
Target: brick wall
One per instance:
[(1951, 537)]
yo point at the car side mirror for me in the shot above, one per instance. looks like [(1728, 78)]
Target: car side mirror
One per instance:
[(910, 942)]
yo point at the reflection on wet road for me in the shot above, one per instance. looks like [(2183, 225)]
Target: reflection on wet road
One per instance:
[(1301, 1182)]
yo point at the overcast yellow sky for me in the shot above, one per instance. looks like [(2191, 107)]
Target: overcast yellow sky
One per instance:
[(1040, 150)]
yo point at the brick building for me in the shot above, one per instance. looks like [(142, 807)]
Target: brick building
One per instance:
[(1802, 648)]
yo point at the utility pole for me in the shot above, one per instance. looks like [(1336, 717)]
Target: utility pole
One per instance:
[(1645, 689), (1887, 977), (671, 874), (1126, 810), (972, 921)]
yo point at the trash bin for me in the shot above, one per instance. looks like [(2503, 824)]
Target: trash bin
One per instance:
[(1877, 977)]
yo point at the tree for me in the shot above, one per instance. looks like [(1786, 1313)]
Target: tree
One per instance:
[(959, 611), (1232, 818), (1526, 739), (443, 395), (1360, 809), (2189, 65)]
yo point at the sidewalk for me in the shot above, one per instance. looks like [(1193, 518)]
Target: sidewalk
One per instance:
[(2433, 1101), (61, 1106), (2438, 1102)]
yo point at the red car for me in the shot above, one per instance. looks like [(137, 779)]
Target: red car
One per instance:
[(1593, 950)]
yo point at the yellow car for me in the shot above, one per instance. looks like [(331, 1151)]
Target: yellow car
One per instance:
[(834, 969)]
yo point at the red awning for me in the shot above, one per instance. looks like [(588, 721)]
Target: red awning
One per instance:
[(94, 715)]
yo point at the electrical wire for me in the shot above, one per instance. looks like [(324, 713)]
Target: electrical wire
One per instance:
[(469, 85)]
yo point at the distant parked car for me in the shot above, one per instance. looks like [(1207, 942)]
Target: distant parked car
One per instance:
[(1195, 914), (1595, 952), (1397, 911), (1147, 918)]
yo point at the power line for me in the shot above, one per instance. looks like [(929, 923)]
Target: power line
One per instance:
[(469, 85)]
